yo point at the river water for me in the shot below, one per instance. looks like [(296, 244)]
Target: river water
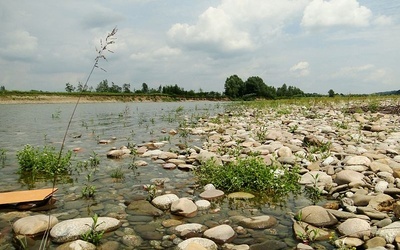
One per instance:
[(123, 124)]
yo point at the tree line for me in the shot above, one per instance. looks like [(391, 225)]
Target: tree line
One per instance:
[(254, 87), (171, 90)]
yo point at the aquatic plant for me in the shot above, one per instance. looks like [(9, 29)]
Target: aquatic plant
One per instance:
[(93, 235), (43, 162)]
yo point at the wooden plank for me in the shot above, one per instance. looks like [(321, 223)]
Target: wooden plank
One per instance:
[(26, 195)]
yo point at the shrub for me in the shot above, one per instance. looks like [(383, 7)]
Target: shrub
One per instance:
[(251, 174), (45, 162)]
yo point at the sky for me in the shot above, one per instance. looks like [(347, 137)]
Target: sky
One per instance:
[(350, 46)]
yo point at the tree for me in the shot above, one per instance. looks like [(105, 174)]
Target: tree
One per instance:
[(234, 87), (102, 86), (145, 88), (80, 87), (69, 88), (2, 89), (126, 88), (255, 85), (331, 93)]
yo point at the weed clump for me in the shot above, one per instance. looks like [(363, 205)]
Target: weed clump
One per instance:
[(252, 175), (43, 162)]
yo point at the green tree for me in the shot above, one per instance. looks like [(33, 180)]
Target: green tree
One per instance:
[(234, 87), (255, 85), (126, 88), (145, 88), (114, 88), (2, 89), (102, 86), (69, 88), (331, 93)]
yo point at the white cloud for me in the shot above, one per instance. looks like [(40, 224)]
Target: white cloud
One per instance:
[(235, 25), (321, 13), (383, 20), (18, 45), (301, 68)]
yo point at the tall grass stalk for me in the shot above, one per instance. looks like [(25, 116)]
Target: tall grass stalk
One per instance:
[(110, 39)]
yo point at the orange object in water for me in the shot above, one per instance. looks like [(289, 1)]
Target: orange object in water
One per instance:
[(26, 196)]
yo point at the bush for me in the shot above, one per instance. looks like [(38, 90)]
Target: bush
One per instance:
[(251, 174), (45, 162)]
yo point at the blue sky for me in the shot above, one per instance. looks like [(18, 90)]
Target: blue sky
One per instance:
[(350, 46)]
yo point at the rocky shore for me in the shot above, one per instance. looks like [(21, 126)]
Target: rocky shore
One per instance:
[(352, 158)]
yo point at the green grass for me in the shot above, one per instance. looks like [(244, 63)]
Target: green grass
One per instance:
[(252, 175)]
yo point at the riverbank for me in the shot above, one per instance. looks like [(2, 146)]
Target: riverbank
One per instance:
[(36, 98)]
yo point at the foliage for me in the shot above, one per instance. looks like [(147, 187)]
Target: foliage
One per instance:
[(254, 87), (312, 192), (251, 174), (93, 235), (331, 93), (234, 87), (117, 174), (3, 156), (88, 190), (45, 162)]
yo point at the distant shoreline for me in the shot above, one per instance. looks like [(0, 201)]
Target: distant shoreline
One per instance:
[(56, 99)]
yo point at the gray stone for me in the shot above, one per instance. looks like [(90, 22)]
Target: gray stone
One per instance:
[(212, 194), (132, 240), (34, 225), (197, 243), (142, 207), (77, 245), (72, 229), (164, 201), (258, 222), (220, 234), (358, 160), (349, 176), (355, 227), (389, 232), (317, 216), (184, 207)]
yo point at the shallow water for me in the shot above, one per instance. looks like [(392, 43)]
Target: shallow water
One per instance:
[(133, 123)]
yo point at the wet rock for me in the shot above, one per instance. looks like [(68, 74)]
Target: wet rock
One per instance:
[(34, 225), (72, 229), (270, 245), (77, 245), (197, 244), (212, 194), (258, 222), (348, 242), (190, 230), (132, 240), (118, 153), (142, 207), (184, 207), (220, 234), (164, 202), (317, 216), (240, 196), (203, 204)]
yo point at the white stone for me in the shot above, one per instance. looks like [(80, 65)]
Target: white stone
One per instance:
[(164, 201)]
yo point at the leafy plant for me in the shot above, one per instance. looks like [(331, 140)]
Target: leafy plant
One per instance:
[(45, 162), (56, 114), (93, 235), (309, 235), (251, 174), (118, 174), (151, 191), (3, 156), (88, 190), (312, 192)]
